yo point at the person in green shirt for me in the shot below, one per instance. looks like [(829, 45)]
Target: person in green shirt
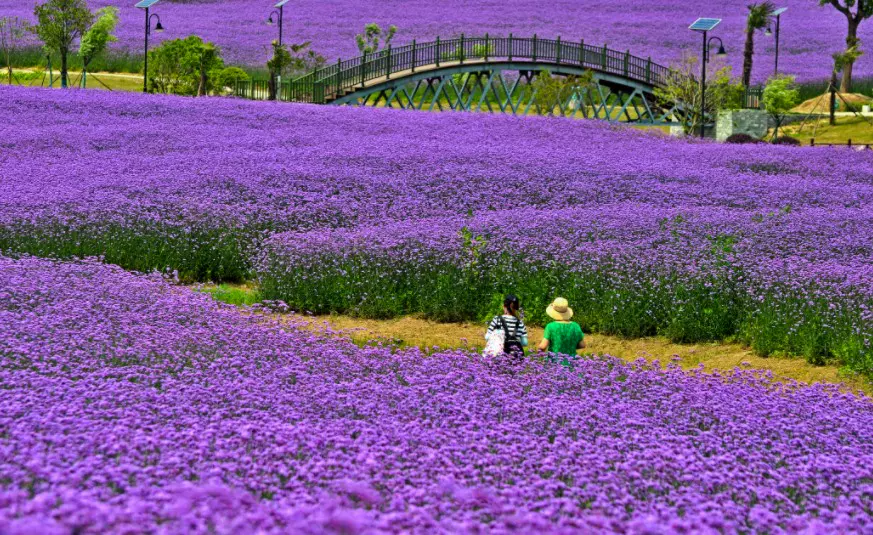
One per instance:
[(562, 336)]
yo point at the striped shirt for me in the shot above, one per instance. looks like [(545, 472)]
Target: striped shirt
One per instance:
[(516, 327)]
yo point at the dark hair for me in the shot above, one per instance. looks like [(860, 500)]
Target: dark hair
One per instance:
[(512, 304)]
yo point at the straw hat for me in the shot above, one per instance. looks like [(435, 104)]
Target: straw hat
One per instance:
[(560, 310)]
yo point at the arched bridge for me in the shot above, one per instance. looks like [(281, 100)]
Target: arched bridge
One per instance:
[(491, 75)]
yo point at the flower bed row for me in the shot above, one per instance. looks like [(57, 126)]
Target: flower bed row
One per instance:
[(628, 269)]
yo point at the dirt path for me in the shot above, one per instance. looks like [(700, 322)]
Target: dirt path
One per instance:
[(410, 331)]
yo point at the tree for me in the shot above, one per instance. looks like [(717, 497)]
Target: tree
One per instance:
[(779, 97), (276, 65), (13, 32), (369, 41), (553, 92), (758, 18), (100, 34), (863, 9), (186, 66), (304, 59), (61, 22), (206, 59), (683, 88), (841, 59)]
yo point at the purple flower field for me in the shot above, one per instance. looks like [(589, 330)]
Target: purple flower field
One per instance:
[(657, 29), (381, 214), (133, 406)]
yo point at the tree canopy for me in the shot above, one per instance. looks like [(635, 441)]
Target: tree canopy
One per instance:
[(855, 11), (186, 66), (779, 97), (371, 40), (100, 34), (60, 23)]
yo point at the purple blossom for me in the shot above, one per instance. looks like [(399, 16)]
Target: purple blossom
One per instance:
[(132, 405)]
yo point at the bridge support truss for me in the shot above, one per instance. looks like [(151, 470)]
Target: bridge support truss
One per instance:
[(510, 88)]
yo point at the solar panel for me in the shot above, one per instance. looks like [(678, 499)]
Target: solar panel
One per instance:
[(704, 25), (780, 11), (143, 4), (282, 3)]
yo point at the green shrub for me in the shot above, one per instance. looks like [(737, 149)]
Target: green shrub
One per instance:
[(186, 66)]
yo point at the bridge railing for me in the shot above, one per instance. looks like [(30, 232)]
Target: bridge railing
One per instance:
[(342, 77)]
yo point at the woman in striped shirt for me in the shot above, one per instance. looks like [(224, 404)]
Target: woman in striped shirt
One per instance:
[(514, 331)]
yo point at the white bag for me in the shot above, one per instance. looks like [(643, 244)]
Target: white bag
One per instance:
[(494, 343)]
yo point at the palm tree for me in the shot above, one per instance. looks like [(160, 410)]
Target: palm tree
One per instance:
[(758, 19)]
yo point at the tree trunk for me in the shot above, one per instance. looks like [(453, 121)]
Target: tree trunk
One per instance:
[(851, 41), (833, 103), (747, 58), (272, 86), (64, 67), (201, 89)]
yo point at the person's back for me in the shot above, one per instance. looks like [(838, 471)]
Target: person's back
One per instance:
[(513, 333), (563, 337)]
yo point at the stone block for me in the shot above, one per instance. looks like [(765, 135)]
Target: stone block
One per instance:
[(751, 122)]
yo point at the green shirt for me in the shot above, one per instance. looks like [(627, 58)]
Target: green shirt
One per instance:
[(563, 338)]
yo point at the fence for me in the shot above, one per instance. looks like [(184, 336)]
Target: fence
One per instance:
[(849, 144), (343, 77)]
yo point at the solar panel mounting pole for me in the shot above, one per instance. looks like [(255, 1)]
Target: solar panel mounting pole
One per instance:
[(776, 66), (146, 5), (704, 26), (281, 17), (778, 13), (145, 71), (703, 89)]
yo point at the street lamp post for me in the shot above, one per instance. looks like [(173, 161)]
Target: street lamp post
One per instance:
[(276, 83), (145, 5), (778, 14), (279, 12), (704, 26)]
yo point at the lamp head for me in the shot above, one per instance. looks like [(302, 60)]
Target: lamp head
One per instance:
[(721, 52), (768, 32), (270, 20), (159, 27)]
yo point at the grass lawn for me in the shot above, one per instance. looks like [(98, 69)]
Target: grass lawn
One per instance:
[(106, 81), (429, 336), (858, 129)]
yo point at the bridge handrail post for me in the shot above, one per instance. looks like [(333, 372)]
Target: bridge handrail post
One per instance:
[(649, 70), (364, 69), (461, 49), (486, 47), (413, 55), (388, 63), (582, 52), (626, 62), (509, 47), (558, 51), (603, 58), (437, 52), (337, 76), (534, 48)]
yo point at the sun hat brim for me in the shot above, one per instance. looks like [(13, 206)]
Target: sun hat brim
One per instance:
[(560, 316)]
